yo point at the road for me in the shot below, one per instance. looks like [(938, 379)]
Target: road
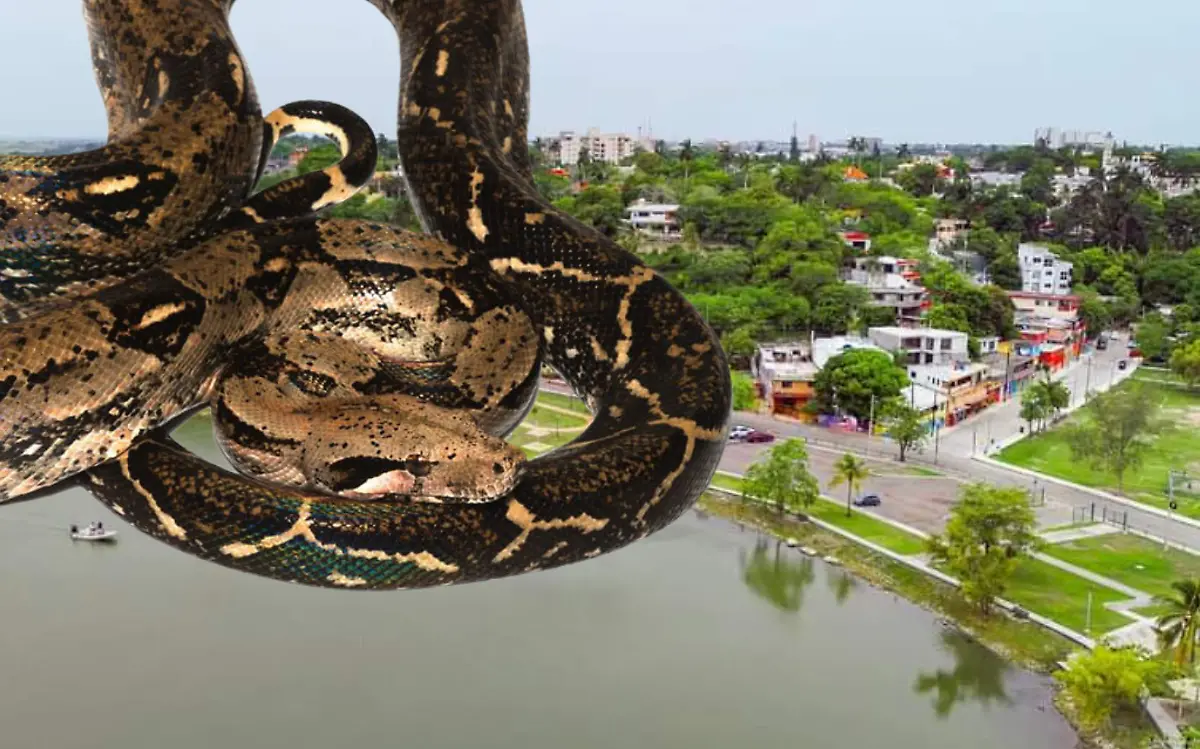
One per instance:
[(923, 502), (1002, 422)]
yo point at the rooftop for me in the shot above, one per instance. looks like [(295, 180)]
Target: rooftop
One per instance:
[(825, 349), (894, 330)]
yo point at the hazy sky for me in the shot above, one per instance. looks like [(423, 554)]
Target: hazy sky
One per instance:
[(903, 70)]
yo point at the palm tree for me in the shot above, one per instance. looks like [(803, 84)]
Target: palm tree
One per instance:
[(686, 155), (1179, 627), (850, 470)]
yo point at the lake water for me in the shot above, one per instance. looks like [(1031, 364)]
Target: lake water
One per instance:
[(701, 636)]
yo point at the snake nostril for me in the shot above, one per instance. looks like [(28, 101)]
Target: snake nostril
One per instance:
[(497, 468)]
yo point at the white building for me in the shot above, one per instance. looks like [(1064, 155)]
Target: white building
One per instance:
[(824, 349), (1041, 270), (609, 147), (656, 218), (923, 345)]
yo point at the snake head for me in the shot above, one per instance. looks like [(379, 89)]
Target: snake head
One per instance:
[(422, 452)]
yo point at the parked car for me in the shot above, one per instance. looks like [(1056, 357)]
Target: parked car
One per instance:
[(740, 432), (868, 500), (757, 436)]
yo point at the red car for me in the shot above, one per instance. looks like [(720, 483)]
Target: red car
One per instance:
[(757, 436)]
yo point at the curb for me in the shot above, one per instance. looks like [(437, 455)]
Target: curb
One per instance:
[(1099, 494), (1066, 632)]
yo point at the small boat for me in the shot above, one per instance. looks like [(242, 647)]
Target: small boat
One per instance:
[(832, 560), (92, 533), (792, 543), (809, 550)]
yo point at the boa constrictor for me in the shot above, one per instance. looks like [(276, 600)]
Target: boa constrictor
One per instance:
[(379, 368)]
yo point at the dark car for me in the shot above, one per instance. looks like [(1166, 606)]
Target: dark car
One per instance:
[(757, 436), (1121, 365), (868, 500)]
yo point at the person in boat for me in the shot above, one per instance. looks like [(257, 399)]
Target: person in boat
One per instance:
[(99, 527), (74, 529)]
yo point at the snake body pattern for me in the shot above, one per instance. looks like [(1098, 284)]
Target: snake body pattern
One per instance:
[(363, 375)]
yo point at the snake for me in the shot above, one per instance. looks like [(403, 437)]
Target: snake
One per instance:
[(362, 377)]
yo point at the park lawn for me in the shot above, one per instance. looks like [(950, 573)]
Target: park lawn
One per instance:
[(1057, 594), (522, 437), (1133, 560), (864, 526), (1152, 374), (570, 403), (540, 416), (1179, 448), (725, 481)]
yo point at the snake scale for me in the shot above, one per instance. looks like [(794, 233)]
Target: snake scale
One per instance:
[(361, 377)]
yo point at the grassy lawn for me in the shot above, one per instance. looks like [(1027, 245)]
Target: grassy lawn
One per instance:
[(563, 401), (865, 526), (1149, 373), (1179, 448), (1061, 596), (1067, 526), (919, 471), (861, 525), (540, 416), (1133, 560)]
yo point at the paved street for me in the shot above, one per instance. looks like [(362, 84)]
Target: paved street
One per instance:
[(1002, 422), (923, 502)]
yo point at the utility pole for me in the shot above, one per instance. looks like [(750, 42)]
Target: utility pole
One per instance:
[(1007, 369), (936, 431), (1087, 383), (871, 424)]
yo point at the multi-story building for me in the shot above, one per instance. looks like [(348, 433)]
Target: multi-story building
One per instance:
[(654, 218), (1042, 271), (892, 290), (1057, 306), (923, 345), (784, 374), (609, 147), (963, 387), (948, 230)]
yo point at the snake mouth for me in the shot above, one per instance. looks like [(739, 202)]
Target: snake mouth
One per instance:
[(415, 479)]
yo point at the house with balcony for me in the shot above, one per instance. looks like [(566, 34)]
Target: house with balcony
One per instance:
[(963, 388), (654, 218), (890, 283), (922, 345), (783, 374)]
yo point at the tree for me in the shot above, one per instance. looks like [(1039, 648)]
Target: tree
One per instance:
[(744, 393), (990, 529), (850, 470), (1185, 362), (1179, 626), (848, 381), (1116, 430), (319, 158), (1151, 337), (908, 427), (1104, 681), (1034, 408), (782, 477)]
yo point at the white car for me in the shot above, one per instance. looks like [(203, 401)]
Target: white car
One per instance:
[(739, 432)]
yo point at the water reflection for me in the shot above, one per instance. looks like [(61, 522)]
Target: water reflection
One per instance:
[(778, 576), (978, 675), (841, 583)]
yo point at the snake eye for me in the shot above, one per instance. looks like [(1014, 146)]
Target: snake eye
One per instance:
[(312, 383)]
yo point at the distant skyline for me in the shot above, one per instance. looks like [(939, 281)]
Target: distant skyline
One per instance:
[(920, 71)]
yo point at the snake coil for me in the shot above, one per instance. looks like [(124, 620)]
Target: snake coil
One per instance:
[(363, 376)]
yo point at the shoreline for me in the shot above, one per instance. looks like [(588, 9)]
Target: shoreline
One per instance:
[(1022, 643)]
